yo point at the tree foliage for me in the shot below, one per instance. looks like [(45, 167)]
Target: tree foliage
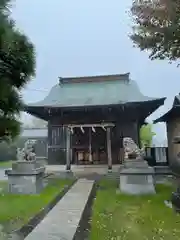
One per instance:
[(157, 27), (17, 66), (146, 135)]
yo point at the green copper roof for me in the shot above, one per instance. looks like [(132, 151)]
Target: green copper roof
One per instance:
[(93, 93), (174, 111)]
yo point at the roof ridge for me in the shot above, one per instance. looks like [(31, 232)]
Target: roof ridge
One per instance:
[(95, 78)]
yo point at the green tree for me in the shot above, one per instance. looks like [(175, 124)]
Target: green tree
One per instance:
[(156, 27), (17, 66), (146, 135)]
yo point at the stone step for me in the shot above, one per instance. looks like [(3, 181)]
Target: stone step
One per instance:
[(62, 221)]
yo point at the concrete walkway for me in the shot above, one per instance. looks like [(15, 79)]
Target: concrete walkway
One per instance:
[(79, 170), (62, 221)]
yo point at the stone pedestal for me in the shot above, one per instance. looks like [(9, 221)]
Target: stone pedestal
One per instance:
[(137, 178), (26, 177), (135, 163)]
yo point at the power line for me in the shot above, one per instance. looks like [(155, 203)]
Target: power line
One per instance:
[(35, 90)]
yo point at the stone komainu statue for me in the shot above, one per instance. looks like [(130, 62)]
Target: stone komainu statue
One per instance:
[(28, 152), (131, 148)]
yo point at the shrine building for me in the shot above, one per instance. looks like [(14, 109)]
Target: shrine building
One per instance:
[(88, 117)]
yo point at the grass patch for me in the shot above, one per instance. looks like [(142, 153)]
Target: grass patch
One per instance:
[(17, 210), (118, 216), (6, 164), (3, 187)]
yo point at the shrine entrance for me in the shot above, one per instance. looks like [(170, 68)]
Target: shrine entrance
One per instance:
[(90, 144)]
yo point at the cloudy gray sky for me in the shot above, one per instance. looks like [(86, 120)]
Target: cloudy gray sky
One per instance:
[(75, 38)]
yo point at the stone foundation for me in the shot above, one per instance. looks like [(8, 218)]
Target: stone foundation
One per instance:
[(135, 163), (32, 184), (137, 178), (137, 181), (25, 178)]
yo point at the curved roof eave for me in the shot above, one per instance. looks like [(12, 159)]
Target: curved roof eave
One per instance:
[(162, 118), (165, 117), (93, 94), (159, 101)]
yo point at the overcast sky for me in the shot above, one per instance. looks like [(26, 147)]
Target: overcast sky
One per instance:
[(75, 38)]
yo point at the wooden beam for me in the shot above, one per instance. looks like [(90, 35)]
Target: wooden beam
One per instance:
[(109, 154)]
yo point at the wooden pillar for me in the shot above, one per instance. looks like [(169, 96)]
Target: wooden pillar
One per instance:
[(109, 154), (68, 149), (90, 145), (138, 135), (121, 150)]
